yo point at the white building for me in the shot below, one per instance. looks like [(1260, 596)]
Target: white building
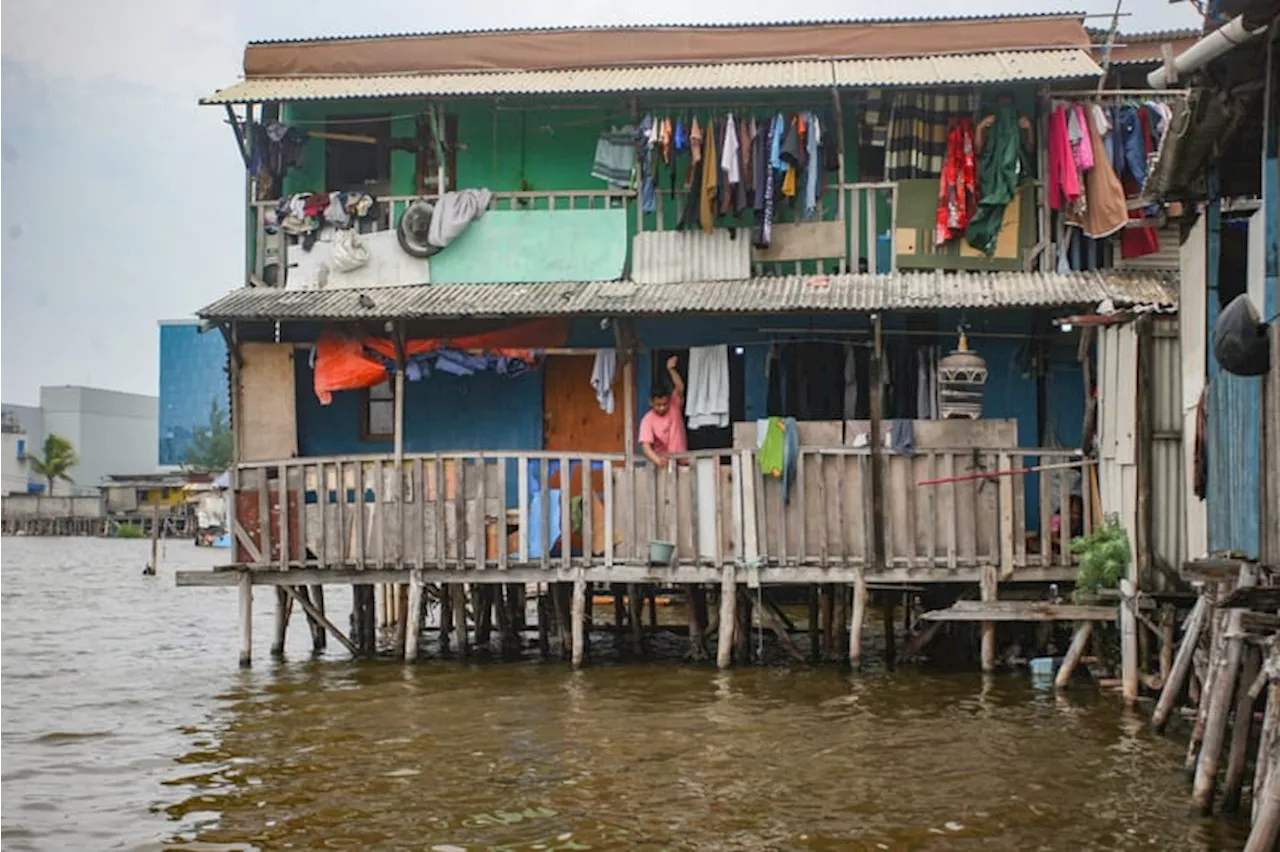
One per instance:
[(112, 432), (13, 449)]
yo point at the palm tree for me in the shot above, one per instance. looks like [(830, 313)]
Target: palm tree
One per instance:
[(59, 457)]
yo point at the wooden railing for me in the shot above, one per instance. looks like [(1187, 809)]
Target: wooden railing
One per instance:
[(274, 249), (493, 511), (853, 209)]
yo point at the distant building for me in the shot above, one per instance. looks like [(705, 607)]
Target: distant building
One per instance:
[(111, 431), (193, 378), (14, 449)]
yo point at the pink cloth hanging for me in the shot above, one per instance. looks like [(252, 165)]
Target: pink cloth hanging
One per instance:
[(1064, 181)]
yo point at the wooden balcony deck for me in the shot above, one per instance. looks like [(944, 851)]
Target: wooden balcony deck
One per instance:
[(487, 518)]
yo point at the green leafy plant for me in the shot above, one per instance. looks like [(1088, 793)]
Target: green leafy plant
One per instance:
[(129, 531), (1104, 557)]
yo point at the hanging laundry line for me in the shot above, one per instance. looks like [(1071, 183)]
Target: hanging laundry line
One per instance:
[(1022, 471)]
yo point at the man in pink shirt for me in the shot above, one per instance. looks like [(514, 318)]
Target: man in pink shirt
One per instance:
[(662, 427)]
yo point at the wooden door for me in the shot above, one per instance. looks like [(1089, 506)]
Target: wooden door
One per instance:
[(572, 420)]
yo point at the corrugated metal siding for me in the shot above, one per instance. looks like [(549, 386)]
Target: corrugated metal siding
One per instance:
[(1233, 414), (1006, 66), (1167, 258), (849, 293), (1168, 484), (1117, 423), (670, 257)]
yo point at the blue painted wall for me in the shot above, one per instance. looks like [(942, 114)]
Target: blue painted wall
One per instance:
[(192, 377)]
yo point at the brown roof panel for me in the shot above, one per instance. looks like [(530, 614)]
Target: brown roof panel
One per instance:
[(652, 45)]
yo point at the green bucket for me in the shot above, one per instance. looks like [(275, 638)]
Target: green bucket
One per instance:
[(661, 552)]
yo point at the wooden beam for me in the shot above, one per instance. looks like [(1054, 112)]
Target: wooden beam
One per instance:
[(1181, 664), (1022, 611), (319, 617), (628, 572), (1079, 641)]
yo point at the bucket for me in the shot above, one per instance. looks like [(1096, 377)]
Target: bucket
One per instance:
[(661, 552)]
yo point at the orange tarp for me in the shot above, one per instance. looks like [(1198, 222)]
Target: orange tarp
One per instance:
[(343, 364)]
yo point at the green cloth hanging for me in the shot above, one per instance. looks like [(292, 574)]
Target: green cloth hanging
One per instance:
[(575, 514), (999, 168), (773, 451)]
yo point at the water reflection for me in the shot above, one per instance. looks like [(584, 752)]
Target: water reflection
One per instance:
[(111, 741)]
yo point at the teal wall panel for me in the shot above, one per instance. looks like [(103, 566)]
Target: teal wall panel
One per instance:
[(536, 246)]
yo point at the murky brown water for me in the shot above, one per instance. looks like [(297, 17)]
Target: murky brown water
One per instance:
[(127, 725)]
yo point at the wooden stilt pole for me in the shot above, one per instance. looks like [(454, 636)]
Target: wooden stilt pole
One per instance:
[(815, 629), (507, 641), (635, 605), (284, 605), (246, 620), (1220, 700), (560, 602), (150, 570), (619, 612), (742, 629), (579, 614), (890, 640), (1241, 727), (653, 607), (830, 624), (319, 640), (1267, 756), (728, 616), (1167, 619), (988, 593), (1216, 648), (411, 618), (446, 615), (1079, 641), (1265, 835), (482, 602), (1182, 663), (1129, 653), (855, 622), (697, 646), (310, 609), (459, 592), (544, 624)]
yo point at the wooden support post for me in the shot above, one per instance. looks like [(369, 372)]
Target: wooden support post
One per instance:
[(561, 604), (830, 624), (988, 592), (728, 616), (1079, 641), (1220, 700), (446, 613), (1172, 686), (1241, 727), (635, 605), (459, 593), (890, 639), (815, 631), (544, 624), (150, 569), (412, 618), (284, 606), (246, 620), (653, 607), (482, 604), (1268, 757), (855, 621), (619, 612), (318, 637), (742, 630), (1167, 618), (1129, 637), (697, 644), (1265, 835), (311, 611), (1211, 669), (579, 611)]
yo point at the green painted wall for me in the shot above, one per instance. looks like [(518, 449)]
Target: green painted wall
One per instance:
[(548, 144)]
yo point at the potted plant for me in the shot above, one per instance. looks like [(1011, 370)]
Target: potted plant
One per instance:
[(1104, 558)]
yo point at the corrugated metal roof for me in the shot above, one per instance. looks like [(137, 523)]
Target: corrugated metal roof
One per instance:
[(1001, 67), (651, 78), (799, 74), (797, 22), (914, 291)]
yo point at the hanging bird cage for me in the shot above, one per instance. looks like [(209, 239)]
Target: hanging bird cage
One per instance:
[(961, 377)]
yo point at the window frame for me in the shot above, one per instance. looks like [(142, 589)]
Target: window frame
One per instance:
[(367, 400)]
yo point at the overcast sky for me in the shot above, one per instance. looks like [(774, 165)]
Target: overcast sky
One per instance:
[(122, 197)]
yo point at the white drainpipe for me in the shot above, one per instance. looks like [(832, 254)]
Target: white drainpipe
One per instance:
[(1205, 50)]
